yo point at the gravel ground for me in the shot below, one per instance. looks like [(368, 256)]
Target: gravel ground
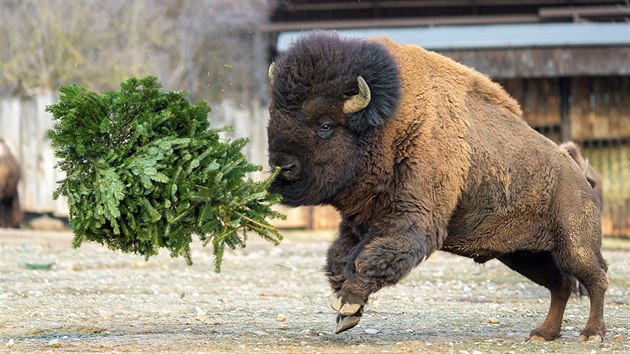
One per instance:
[(274, 299)]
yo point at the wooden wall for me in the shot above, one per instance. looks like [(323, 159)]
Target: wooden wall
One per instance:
[(546, 62), (600, 122), (600, 108), (540, 100), (611, 158), (24, 125), (309, 218)]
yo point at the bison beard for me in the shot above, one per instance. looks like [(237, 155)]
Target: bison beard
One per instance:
[(419, 153)]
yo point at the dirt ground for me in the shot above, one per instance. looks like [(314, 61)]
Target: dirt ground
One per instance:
[(275, 300)]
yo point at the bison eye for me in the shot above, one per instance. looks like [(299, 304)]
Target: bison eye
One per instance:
[(325, 130)]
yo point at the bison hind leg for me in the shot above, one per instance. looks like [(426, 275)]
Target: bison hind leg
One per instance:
[(588, 266), (542, 269)]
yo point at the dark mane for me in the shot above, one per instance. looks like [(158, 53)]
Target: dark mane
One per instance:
[(324, 64)]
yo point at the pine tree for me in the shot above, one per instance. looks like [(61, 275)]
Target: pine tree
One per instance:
[(145, 171)]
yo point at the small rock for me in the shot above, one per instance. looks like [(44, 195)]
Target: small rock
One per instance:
[(476, 352), (463, 352), (627, 325), (493, 321), (10, 343), (201, 314), (54, 343), (283, 326), (70, 267), (617, 337), (281, 318), (261, 333), (371, 331)]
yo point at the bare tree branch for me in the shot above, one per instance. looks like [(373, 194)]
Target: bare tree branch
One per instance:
[(205, 46)]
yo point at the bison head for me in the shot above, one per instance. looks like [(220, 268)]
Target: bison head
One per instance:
[(329, 96)]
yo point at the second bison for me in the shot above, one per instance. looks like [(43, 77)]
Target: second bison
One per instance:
[(10, 212), (592, 176), (419, 153)]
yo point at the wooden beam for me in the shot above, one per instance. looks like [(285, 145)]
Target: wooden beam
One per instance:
[(391, 4), (546, 62), (584, 11), (399, 22)]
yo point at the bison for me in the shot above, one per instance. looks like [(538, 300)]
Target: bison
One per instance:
[(10, 212), (593, 177), (419, 153)]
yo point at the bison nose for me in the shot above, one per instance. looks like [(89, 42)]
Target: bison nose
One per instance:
[(289, 167), (289, 172)]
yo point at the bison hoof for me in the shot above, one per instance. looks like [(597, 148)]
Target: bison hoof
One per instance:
[(349, 314), (542, 334), (344, 309), (536, 339), (593, 334), (344, 323), (349, 309), (593, 338)]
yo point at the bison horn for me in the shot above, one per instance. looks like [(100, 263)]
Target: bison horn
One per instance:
[(272, 68), (360, 100)]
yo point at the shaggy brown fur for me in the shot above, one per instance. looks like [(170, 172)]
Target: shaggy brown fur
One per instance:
[(10, 212), (454, 167)]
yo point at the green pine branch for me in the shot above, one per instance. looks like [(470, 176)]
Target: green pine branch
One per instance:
[(145, 171)]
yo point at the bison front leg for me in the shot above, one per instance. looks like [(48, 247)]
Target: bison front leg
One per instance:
[(339, 253), (374, 263)]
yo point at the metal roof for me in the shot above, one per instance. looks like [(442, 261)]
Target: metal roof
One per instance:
[(492, 36)]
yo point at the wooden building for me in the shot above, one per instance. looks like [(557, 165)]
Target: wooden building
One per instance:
[(566, 62)]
